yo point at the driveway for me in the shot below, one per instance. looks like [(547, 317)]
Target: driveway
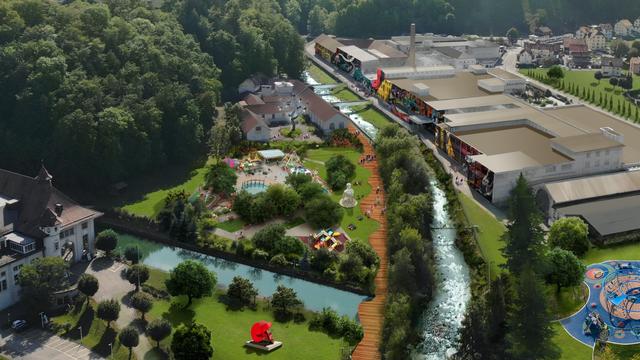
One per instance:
[(36, 344)]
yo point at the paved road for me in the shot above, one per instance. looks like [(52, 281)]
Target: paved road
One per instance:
[(35, 344)]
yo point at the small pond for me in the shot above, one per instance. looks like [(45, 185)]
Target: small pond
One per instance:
[(315, 296)]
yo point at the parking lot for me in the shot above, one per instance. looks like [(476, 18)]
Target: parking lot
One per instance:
[(41, 345)]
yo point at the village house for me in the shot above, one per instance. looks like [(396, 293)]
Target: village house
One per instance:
[(544, 31), (607, 30), (634, 65), (596, 40), (623, 28), (611, 66), (277, 104), (525, 58), (636, 25), (37, 220), (582, 32), (577, 54)]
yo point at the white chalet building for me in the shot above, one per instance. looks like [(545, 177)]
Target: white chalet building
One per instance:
[(37, 220)]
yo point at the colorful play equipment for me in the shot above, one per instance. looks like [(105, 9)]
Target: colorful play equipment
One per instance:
[(326, 239), (595, 327), (622, 294), (261, 337)]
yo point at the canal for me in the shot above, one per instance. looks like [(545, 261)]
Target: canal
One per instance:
[(315, 296)]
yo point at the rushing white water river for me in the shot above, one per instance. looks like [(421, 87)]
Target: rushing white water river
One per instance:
[(441, 321)]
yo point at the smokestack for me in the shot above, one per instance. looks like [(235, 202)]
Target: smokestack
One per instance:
[(412, 46)]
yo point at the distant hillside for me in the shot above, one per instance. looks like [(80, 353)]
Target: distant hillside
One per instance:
[(365, 18)]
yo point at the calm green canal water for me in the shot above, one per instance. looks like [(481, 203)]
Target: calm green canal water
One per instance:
[(315, 296)]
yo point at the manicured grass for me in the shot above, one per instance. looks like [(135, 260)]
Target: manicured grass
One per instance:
[(232, 225), (571, 348), (320, 75), (95, 334), (366, 226), (373, 116), (488, 232), (230, 329), (586, 80), (291, 223), (344, 94), (157, 278), (628, 251), (625, 351), (151, 203)]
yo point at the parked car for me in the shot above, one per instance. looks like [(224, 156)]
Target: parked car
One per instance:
[(19, 325)]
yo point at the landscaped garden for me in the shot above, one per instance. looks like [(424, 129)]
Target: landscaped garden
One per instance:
[(584, 85)]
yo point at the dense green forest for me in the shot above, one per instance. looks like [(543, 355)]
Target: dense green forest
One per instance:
[(365, 18), (103, 92)]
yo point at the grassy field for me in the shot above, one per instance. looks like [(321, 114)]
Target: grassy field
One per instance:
[(232, 225), (568, 301), (489, 231), (571, 348), (586, 80), (319, 75), (344, 94), (96, 335), (151, 203), (366, 226), (230, 328), (628, 251), (373, 116)]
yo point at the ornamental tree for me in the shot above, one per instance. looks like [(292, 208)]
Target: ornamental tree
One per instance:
[(129, 338), (191, 341), (158, 330), (564, 268), (88, 285), (192, 279), (142, 302), (570, 233), (108, 310), (137, 275), (107, 241)]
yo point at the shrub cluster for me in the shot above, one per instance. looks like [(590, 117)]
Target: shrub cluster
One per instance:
[(340, 171), (330, 322), (278, 200)]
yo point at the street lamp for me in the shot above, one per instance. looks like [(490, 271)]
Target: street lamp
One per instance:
[(42, 319), (138, 256), (110, 350), (9, 318), (80, 328)]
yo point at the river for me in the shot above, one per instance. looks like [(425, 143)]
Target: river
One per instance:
[(441, 321), (314, 296)]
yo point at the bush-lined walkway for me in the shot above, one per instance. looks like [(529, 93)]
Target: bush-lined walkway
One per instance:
[(371, 313)]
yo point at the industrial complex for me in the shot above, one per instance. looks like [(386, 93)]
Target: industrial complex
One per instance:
[(580, 161)]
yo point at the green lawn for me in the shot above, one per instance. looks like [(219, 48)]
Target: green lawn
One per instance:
[(365, 227), (628, 251), (373, 116), (586, 80), (344, 94), (571, 348), (488, 231), (151, 203), (625, 352), (232, 225), (319, 75), (96, 336)]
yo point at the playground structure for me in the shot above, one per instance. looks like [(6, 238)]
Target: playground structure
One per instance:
[(261, 337), (326, 239), (595, 327), (621, 289)]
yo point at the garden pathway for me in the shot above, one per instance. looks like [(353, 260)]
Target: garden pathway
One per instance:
[(371, 313)]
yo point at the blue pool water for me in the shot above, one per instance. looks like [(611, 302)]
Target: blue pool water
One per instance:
[(254, 188), (315, 296)]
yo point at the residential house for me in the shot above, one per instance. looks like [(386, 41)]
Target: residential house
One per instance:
[(544, 31), (623, 28), (611, 66), (577, 54), (278, 103), (596, 41), (37, 220), (252, 84), (583, 32), (525, 58), (634, 65), (636, 25), (607, 30)]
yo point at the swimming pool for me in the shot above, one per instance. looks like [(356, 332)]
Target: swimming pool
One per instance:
[(254, 186)]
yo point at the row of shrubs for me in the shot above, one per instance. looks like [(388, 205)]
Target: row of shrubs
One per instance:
[(406, 178)]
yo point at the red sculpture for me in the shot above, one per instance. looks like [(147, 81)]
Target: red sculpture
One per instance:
[(260, 332)]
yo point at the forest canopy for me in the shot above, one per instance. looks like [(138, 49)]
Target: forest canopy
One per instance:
[(100, 92)]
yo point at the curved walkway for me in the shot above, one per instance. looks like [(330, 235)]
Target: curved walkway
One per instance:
[(370, 312)]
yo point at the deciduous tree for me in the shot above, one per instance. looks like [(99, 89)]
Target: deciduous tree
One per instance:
[(192, 279)]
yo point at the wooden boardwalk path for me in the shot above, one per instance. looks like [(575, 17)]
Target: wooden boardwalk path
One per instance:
[(371, 313)]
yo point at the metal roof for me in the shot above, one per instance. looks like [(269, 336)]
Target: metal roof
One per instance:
[(608, 216), (271, 154), (358, 53), (593, 187), (472, 102)]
